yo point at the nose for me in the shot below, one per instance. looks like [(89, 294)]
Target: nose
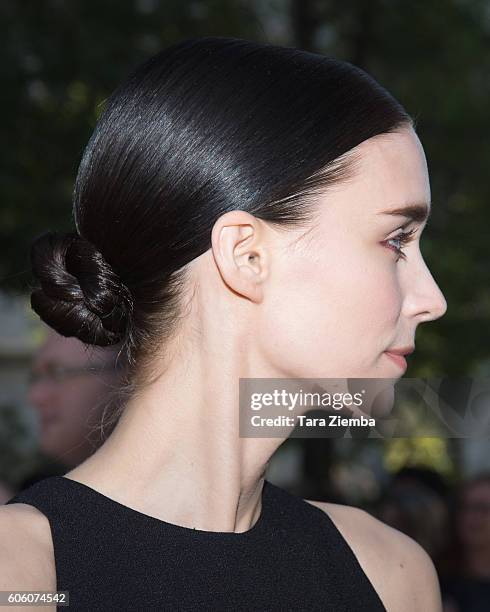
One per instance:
[(39, 395), (423, 298)]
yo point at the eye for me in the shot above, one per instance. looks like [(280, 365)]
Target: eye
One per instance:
[(402, 238)]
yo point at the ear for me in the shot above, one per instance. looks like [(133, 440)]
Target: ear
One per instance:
[(238, 246)]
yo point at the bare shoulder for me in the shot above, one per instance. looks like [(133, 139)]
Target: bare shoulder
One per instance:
[(400, 570), (26, 549)]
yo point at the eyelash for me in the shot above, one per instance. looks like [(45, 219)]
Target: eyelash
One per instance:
[(403, 238)]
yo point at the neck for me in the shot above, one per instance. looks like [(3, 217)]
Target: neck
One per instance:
[(176, 453)]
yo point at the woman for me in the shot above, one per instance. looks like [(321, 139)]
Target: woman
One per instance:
[(241, 210)]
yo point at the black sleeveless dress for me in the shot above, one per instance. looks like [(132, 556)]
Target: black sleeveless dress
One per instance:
[(112, 557)]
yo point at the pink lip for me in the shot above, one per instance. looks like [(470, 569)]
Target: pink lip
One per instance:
[(398, 359), (404, 350)]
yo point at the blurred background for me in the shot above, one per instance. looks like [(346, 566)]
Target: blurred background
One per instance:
[(60, 61)]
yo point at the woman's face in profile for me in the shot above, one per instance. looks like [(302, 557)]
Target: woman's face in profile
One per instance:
[(342, 292)]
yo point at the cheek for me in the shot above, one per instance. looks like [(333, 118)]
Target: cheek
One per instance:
[(365, 291), (332, 317), (377, 296)]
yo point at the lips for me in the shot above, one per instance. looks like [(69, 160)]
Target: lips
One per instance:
[(396, 354), (404, 350), (400, 360)]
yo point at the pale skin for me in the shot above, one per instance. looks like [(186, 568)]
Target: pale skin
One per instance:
[(322, 301)]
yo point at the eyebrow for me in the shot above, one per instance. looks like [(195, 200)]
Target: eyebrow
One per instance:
[(415, 212)]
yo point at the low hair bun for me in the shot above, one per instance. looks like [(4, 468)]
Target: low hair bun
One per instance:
[(78, 293)]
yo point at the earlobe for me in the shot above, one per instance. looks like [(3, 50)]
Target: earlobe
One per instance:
[(239, 253)]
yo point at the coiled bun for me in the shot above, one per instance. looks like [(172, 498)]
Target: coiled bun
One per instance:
[(78, 293)]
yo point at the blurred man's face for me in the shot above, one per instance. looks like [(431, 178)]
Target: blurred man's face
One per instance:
[(474, 516), (69, 404)]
